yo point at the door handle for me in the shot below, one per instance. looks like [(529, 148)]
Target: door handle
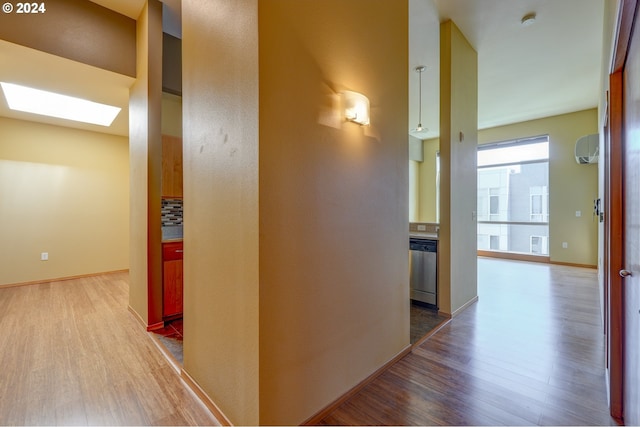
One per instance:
[(625, 273)]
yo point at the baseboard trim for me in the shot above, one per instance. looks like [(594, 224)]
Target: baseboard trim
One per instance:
[(165, 352), (530, 258), (204, 398), (514, 256), (149, 328), (572, 264), (189, 382), (315, 419), (465, 306), (445, 321), (61, 279), (137, 317), (155, 326)]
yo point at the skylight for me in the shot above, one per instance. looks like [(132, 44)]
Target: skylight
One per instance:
[(44, 103)]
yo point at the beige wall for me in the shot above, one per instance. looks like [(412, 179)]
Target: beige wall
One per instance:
[(572, 187), (62, 191), (220, 146), (457, 266), (427, 181), (145, 153), (79, 30), (171, 115), (290, 297), (609, 26), (333, 201), (414, 190)]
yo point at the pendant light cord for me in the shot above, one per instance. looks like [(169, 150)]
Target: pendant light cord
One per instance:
[(419, 69), (420, 101)]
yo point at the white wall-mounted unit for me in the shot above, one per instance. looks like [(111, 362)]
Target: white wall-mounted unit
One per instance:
[(587, 149)]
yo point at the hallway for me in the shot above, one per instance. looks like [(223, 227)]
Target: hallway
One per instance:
[(529, 352)]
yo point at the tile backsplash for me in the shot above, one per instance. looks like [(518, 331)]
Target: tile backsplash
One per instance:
[(171, 212)]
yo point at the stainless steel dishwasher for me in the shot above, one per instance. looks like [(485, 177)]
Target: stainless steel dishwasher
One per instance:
[(424, 270)]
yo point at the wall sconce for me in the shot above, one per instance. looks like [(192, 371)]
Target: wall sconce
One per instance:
[(356, 107)]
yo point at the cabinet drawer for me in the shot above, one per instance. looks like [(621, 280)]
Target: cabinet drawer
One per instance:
[(172, 251)]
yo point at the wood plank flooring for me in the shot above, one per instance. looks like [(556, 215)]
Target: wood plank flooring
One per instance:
[(72, 354), (530, 352)]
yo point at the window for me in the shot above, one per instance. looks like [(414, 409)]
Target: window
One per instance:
[(539, 245), (513, 193), (494, 243), (539, 203), (494, 202)]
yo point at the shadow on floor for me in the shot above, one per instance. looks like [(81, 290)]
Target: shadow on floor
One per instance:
[(424, 319), (171, 337)]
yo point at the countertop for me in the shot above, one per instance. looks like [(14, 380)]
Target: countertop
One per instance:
[(176, 240), (172, 233), (424, 235), (424, 230)]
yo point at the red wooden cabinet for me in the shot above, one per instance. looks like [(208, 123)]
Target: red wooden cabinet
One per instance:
[(172, 279)]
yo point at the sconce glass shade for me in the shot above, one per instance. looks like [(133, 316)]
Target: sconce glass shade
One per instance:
[(356, 107)]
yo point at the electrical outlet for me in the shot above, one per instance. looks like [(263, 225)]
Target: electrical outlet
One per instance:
[(422, 227), (565, 245), (44, 256)]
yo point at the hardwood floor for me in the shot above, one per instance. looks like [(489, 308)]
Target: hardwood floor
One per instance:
[(531, 351), (72, 354)]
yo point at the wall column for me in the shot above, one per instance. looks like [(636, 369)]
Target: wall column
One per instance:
[(145, 163), (457, 262)]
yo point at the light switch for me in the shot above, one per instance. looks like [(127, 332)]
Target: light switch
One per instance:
[(44, 256), (565, 245), (578, 214)]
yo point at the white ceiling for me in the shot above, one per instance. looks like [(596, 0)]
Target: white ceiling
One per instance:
[(524, 72), (551, 67)]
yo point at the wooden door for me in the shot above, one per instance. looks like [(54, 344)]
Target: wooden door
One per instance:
[(614, 243), (622, 229), (631, 202)]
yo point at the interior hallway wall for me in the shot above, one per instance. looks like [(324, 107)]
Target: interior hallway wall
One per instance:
[(609, 27), (284, 308), (427, 177), (66, 192), (145, 155), (333, 200), (457, 254), (220, 145)]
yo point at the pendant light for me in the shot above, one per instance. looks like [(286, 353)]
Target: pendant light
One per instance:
[(419, 131)]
